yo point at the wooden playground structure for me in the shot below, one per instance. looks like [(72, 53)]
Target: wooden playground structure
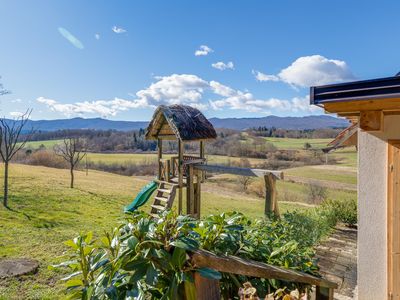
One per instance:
[(186, 124)]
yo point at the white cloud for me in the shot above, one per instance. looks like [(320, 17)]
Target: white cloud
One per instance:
[(264, 77), (97, 36), (203, 50), (183, 89), (104, 108), (173, 89), (239, 100), (223, 66), (16, 114), (16, 101), (311, 70), (118, 29)]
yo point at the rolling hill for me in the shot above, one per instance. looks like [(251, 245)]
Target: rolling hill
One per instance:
[(307, 122)]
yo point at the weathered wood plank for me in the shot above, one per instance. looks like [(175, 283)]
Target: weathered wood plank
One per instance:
[(239, 171), (237, 265)]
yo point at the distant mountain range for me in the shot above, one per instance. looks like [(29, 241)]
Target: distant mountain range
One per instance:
[(308, 122)]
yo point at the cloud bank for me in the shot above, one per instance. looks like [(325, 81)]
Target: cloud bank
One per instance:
[(186, 89)]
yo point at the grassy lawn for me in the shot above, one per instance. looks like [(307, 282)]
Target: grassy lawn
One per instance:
[(45, 212), (297, 144), (140, 158), (339, 174)]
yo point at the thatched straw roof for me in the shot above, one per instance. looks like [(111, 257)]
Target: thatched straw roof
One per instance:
[(179, 122)]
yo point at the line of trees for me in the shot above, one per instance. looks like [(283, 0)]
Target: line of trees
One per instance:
[(294, 133)]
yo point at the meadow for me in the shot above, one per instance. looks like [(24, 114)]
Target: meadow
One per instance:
[(344, 157)]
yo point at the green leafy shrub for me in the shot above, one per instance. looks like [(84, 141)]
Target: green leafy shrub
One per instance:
[(148, 259), (344, 210)]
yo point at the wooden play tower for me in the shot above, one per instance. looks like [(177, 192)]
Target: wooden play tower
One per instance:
[(183, 124), (186, 124)]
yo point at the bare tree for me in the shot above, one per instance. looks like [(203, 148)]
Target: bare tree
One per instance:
[(72, 150), (244, 182), (11, 142)]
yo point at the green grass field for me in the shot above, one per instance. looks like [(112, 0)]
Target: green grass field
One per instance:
[(140, 158), (46, 212), (36, 144), (296, 144), (330, 173)]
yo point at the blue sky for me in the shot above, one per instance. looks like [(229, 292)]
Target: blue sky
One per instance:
[(119, 59)]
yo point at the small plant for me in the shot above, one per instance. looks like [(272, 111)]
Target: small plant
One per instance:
[(307, 146), (344, 210), (317, 193)]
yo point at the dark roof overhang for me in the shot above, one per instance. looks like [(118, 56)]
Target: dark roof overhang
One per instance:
[(373, 89)]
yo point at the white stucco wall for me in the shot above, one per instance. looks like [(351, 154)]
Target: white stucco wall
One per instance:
[(372, 213)]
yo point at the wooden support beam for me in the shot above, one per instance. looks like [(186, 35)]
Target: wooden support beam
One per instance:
[(180, 175), (346, 107), (240, 266), (159, 155), (393, 214), (371, 120), (323, 293), (190, 201), (239, 171), (206, 289)]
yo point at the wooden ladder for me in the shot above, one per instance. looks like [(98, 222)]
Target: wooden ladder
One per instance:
[(165, 195)]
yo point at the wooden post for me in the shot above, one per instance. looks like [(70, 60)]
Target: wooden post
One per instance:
[(159, 156), (271, 205), (190, 201), (180, 175), (202, 155), (393, 223), (198, 193), (206, 289), (323, 293)]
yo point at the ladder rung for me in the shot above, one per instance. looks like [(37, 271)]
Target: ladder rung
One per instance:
[(158, 207), (166, 182), (163, 199), (164, 191)]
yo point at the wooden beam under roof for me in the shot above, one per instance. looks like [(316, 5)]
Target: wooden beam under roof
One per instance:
[(371, 120), (347, 107)]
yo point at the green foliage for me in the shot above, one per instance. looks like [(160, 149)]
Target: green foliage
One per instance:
[(344, 210), (149, 259)]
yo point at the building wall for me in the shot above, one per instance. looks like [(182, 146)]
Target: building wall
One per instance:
[(372, 214)]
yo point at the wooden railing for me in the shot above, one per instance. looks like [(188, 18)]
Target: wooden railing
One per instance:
[(209, 289)]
